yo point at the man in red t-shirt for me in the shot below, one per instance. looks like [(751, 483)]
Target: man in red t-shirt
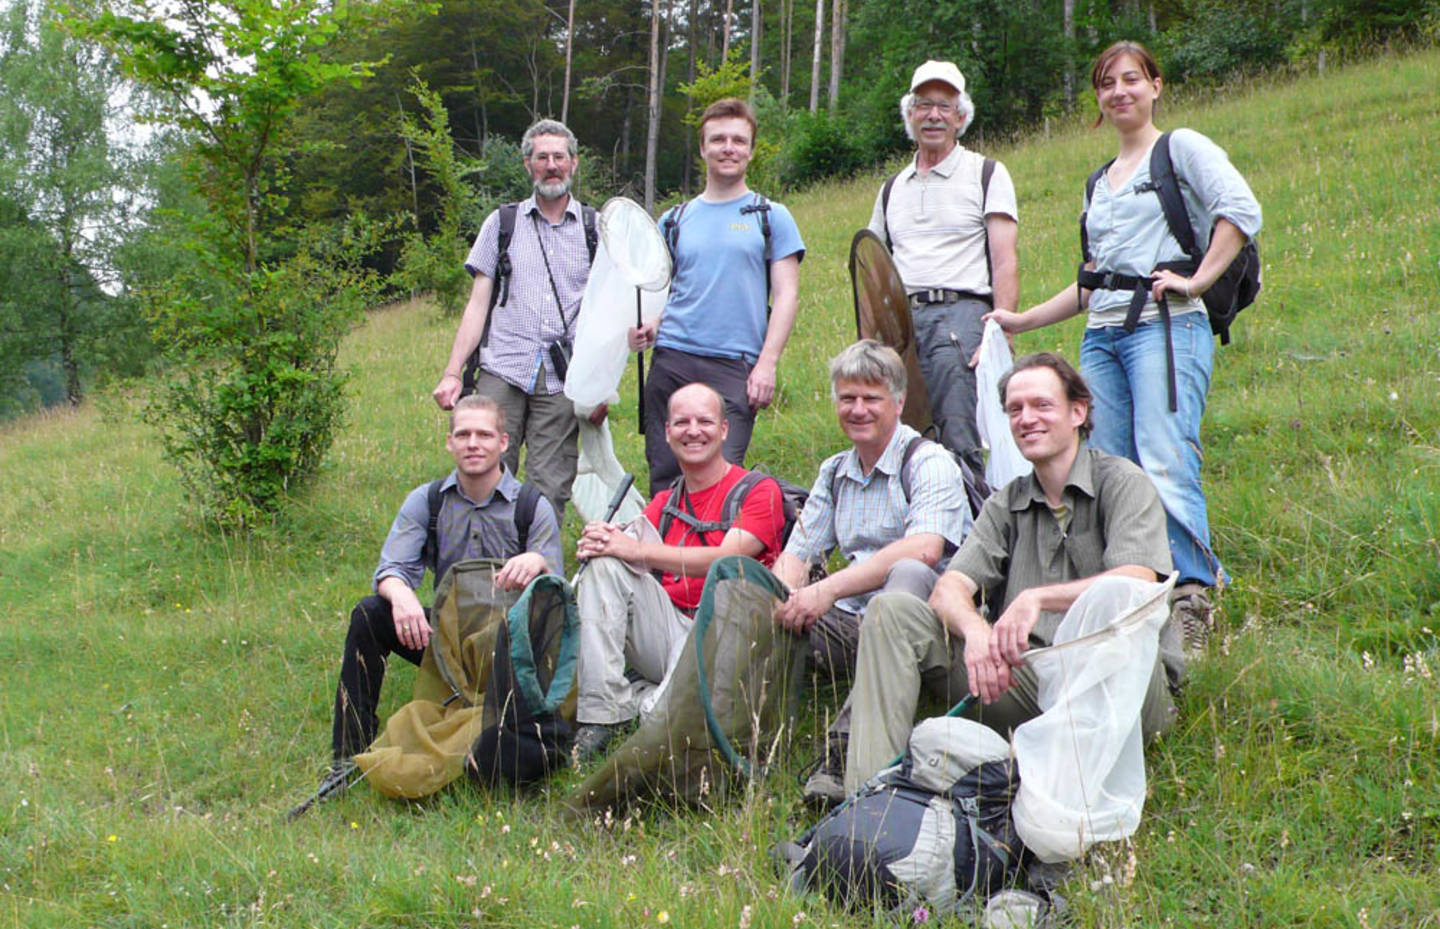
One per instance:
[(630, 620)]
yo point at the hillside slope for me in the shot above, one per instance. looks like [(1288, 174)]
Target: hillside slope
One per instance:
[(166, 688)]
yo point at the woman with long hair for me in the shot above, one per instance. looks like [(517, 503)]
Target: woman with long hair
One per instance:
[(1148, 350)]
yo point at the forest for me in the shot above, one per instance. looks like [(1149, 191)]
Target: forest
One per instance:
[(224, 187)]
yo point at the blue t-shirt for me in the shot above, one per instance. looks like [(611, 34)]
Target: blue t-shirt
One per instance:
[(718, 295)]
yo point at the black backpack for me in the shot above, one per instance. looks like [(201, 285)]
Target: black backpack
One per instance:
[(524, 516), (500, 289), (1234, 290)]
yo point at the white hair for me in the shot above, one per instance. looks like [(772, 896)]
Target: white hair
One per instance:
[(963, 103)]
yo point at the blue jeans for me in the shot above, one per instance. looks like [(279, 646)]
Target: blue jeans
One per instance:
[(1127, 374)]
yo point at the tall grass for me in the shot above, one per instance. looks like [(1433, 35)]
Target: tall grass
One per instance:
[(165, 690)]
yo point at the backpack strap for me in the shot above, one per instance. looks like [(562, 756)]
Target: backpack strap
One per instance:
[(987, 171), (729, 507), (589, 219), (885, 206), (430, 552), (762, 206), (1090, 183), (911, 448), (1166, 185), (525, 503), (499, 292), (670, 227)]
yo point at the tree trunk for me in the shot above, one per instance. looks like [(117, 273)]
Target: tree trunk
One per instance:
[(569, 47), (815, 61), (652, 130), (787, 32), (688, 168), (725, 31), (756, 15), (1069, 55), (838, 9)]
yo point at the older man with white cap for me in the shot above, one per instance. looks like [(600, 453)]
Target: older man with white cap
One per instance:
[(951, 223)]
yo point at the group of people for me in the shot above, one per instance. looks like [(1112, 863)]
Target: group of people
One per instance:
[(930, 595)]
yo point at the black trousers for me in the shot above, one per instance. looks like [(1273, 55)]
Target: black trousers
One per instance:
[(368, 644), (669, 371)]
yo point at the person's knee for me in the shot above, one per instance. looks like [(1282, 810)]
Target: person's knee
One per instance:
[(892, 615), (911, 576), (367, 613)]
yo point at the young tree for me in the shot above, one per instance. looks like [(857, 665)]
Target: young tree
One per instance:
[(253, 400)]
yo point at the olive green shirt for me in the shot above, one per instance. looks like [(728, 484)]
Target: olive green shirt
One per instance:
[(1115, 519)]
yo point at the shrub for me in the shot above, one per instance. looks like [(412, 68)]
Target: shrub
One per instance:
[(820, 145)]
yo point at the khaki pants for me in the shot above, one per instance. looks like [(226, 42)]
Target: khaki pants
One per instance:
[(545, 424), (904, 647), (626, 621)]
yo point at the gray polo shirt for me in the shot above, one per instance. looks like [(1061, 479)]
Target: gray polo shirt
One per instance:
[(1113, 518), (466, 529)]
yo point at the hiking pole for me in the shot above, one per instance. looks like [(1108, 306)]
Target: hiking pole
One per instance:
[(626, 482)]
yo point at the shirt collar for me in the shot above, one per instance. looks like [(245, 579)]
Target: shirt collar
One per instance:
[(947, 166), (531, 205), (889, 461), (509, 487), (1081, 480)]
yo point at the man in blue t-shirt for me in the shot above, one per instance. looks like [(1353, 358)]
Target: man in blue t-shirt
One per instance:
[(733, 298)]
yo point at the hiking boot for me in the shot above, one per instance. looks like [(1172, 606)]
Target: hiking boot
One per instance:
[(590, 741), (825, 787), (1192, 612), (343, 772)]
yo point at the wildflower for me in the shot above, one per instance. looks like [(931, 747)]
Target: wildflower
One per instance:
[(746, 914), (354, 825), (921, 915), (662, 917), (111, 838), (798, 918)]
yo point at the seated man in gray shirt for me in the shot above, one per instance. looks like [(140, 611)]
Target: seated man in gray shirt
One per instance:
[(484, 512), (1038, 544)]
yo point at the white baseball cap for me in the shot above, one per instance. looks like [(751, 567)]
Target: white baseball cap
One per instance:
[(943, 71)]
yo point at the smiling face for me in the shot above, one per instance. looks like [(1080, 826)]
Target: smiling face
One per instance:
[(476, 442), (1045, 424), (868, 413), (696, 428), (1127, 92), (551, 166), (725, 144), (935, 116)]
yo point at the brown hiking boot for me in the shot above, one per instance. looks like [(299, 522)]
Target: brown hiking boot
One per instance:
[(1192, 611)]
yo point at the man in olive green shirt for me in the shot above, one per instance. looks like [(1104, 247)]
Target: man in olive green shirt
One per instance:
[(1038, 544)]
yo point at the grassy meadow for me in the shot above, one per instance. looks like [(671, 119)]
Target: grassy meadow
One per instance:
[(165, 688)]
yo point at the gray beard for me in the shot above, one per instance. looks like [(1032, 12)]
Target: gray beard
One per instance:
[(552, 190)]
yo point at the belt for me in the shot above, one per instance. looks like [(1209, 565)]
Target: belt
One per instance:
[(1139, 288), (941, 295)]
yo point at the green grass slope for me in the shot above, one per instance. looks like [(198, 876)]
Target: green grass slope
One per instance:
[(164, 689)]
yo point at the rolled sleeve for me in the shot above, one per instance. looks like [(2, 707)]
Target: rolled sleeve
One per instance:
[(1135, 525), (402, 555), (814, 535), (1220, 188), (937, 497)]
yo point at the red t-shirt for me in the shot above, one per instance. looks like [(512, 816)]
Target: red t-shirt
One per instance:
[(762, 514)]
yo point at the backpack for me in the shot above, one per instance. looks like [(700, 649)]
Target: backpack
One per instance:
[(1236, 288), (976, 490), (670, 228), (500, 289), (494, 695), (933, 829), (792, 499), (524, 515), (987, 171)]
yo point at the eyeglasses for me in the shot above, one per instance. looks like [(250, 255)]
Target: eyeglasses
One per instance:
[(925, 106)]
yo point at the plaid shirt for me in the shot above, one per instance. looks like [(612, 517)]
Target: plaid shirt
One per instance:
[(524, 326), (869, 512)]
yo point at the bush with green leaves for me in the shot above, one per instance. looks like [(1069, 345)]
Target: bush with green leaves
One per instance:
[(820, 145), (254, 397)]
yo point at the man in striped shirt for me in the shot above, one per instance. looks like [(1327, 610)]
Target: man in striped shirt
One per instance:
[(894, 507), (540, 278)]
